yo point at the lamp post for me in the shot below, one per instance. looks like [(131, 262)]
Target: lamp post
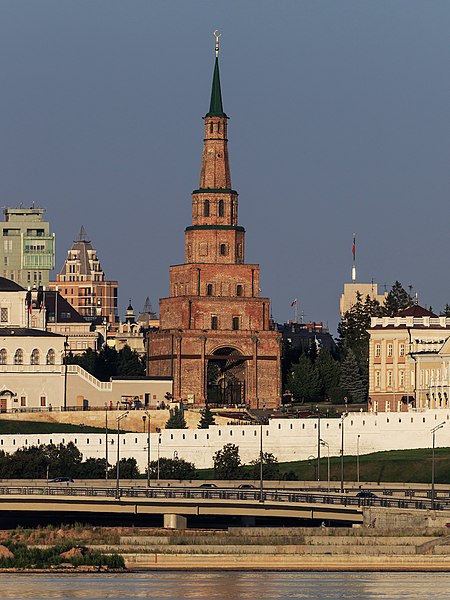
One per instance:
[(327, 445), (159, 443), (343, 416), (119, 418), (318, 443), (148, 447), (66, 346), (433, 431), (106, 441), (357, 457)]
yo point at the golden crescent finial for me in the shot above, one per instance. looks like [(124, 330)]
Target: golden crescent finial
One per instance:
[(217, 36)]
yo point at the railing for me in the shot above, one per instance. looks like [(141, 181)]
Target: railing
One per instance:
[(100, 385), (221, 494)]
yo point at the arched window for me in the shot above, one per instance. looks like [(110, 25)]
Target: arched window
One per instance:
[(209, 289), (206, 208), (218, 127), (239, 290), (214, 322), (18, 357), (3, 356), (221, 208), (51, 357), (211, 127), (34, 358), (223, 249), (235, 323)]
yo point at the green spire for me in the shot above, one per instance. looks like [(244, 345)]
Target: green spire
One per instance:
[(215, 106)]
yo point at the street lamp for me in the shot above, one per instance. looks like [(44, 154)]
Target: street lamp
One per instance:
[(318, 443), (66, 346), (433, 431), (148, 446), (106, 441), (119, 418), (159, 443), (327, 445), (343, 416), (357, 457)]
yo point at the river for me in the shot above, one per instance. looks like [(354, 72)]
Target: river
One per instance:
[(227, 586)]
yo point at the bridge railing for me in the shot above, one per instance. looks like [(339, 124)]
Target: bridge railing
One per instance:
[(225, 494)]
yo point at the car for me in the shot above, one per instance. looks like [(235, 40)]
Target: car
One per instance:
[(208, 485), (366, 494), (246, 486), (61, 480)]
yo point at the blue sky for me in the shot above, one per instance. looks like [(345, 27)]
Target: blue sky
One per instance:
[(339, 124)]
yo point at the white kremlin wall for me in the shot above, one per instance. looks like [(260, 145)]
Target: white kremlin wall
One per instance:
[(287, 439)]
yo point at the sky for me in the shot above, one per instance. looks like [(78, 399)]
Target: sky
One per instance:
[(339, 124)]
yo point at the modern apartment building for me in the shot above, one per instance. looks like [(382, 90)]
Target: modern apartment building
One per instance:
[(27, 251)]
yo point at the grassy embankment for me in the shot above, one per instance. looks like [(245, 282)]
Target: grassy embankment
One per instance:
[(43, 427)]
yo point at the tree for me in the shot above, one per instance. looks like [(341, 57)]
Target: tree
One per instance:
[(129, 363), (128, 469), (329, 371), (351, 379), (227, 462), (206, 419), (271, 468), (303, 381), (172, 468), (397, 299), (176, 420), (92, 468)]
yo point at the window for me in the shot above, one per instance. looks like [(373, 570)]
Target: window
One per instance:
[(3, 356), (239, 290), (389, 378), (235, 323), (209, 289), (211, 127), (221, 208), (214, 322), (44, 403), (4, 315), (218, 127), (206, 208), (18, 357), (377, 378), (377, 350), (34, 359), (389, 350), (223, 249), (402, 349), (51, 357), (402, 378), (23, 401)]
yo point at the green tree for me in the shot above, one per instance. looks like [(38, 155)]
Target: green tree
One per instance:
[(128, 469), (271, 468), (172, 468), (227, 462), (63, 460), (329, 371), (206, 419), (176, 420), (129, 363), (304, 381), (351, 379), (397, 299), (92, 468)]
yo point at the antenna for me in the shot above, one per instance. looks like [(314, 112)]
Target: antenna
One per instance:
[(354, 258)]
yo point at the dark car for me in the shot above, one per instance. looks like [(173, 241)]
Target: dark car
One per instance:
[(246, 486), (208, 485), (366, 494), (61, 480)]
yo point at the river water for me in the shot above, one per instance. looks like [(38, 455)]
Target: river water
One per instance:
[(228, 586)]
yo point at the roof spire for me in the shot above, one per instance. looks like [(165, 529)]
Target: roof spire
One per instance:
[(215, 106)]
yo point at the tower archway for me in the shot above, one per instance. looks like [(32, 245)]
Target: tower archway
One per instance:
[(226, 376)]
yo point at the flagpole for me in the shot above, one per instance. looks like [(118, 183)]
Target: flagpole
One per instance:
[(354, 258)]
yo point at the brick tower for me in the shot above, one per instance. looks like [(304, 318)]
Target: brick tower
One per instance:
[(215, 338)]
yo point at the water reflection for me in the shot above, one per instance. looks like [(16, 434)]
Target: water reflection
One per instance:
[(228, 586)]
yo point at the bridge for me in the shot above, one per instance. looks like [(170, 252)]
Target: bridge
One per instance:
[(175, 504)]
